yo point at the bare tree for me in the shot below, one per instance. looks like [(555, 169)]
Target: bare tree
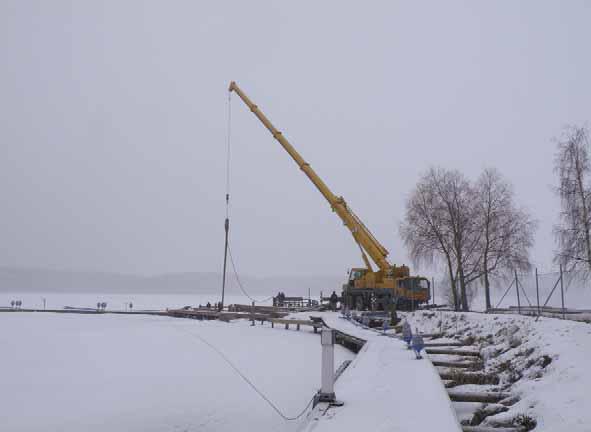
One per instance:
[(439, 224), (574, 169), (475, 231), (458, 197), (424, 232), (507, 232)]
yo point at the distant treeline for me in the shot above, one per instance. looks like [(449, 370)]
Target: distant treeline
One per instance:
[(44, 280)]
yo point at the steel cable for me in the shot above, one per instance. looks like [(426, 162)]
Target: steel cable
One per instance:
[(239, 282), (246, 379)]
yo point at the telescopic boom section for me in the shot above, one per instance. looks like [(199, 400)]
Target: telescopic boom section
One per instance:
[(364, 238)]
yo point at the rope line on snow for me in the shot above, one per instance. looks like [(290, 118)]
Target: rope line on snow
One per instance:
[(245, 378), (240, 282)]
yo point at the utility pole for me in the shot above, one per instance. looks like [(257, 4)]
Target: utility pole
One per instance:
[(226, 228)]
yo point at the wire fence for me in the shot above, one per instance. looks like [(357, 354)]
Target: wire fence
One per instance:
[(558, 294)]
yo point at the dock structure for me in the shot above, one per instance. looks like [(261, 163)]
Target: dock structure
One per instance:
[(258, 313), (384, 389)]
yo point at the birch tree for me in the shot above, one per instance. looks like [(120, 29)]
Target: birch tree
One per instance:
[(573, 230)]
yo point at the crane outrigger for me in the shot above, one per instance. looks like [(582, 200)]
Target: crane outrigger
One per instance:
[(389, 286)]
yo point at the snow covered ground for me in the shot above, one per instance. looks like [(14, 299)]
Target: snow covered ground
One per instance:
[(68, 372), (544, 362)]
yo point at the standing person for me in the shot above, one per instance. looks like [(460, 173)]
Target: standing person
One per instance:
[(406, 333), (334, 298), (418, 344)]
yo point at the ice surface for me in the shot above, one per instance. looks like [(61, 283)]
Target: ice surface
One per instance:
[(69, 372)]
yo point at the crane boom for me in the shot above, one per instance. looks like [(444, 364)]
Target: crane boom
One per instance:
[(363, 237)]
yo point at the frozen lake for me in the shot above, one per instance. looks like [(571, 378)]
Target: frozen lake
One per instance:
[(69, 372), (118, 301)]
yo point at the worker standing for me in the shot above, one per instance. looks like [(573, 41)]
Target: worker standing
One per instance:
[(334, 298), (406, 333), (418, 344)]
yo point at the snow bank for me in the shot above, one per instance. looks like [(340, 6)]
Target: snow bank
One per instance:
[(545, 362)]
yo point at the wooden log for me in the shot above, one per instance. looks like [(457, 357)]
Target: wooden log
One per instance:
[(432, 335), (459, 352), (490, 429), (511, 400), (460, 365), (469, 378), (484, 397), (445, 344)]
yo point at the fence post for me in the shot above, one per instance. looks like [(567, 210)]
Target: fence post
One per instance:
[(537, 291), (562, 292), (517, 288), (433, 290)]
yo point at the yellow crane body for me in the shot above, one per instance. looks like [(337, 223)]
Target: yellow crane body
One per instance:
[(388, 284)]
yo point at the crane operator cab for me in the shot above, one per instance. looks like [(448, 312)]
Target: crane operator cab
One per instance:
[(413, 291), (367, 290)]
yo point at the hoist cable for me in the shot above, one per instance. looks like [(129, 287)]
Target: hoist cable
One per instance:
[(239, 282), (228, 152), (227, 250)]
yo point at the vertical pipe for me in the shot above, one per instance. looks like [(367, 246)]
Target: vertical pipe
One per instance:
[(226, 228), (517, 288), (562, 292), (538, 291), (327, 339)]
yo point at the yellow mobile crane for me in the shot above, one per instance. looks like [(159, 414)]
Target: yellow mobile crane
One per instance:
[(388, 286)]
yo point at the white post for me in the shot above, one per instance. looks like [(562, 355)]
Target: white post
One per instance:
[(327, 339)]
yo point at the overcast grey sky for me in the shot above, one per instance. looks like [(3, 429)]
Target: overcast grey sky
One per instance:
[(113, 123)]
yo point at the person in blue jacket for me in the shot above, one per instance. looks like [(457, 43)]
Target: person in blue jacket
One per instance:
[(406, 333), (418, 344)]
